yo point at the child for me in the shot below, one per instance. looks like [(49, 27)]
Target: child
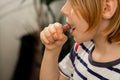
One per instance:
[(95, 26)]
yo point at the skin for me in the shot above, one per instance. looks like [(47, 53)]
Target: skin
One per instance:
[(103, 52)]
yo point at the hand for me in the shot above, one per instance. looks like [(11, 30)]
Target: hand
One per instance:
[(53, 37)]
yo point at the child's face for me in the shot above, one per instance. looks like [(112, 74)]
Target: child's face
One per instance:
[(78, 23)]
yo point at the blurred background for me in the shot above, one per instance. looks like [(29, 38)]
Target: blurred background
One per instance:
[(21, 50)]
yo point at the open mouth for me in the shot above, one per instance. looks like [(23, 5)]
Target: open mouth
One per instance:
[(70, 27)]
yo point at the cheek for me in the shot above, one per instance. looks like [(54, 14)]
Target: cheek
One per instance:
[(79, 23), (84, 36), (81, 27)]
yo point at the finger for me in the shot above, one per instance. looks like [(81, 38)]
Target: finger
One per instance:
[(59, 27), (43, 38), (59, 31), (48, 34), (54, 32), (52, 29)]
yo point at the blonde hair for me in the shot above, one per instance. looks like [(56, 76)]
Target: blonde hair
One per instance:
[(91, 11)]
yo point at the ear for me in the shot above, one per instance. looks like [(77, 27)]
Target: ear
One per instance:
[(109, 8)]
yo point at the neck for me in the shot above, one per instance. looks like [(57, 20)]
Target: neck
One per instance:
[(105, 51)]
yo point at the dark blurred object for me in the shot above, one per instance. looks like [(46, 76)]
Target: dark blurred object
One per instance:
[(47, 2), (66, 47), (26, 68)]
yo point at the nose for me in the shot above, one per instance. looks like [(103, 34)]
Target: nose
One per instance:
[(65, 10)]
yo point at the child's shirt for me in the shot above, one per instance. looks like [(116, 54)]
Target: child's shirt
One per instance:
[(78, 65)]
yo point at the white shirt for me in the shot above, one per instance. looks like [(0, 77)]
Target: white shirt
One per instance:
[(78, 65)]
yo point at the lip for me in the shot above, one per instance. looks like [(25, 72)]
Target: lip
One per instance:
[(72, 30)]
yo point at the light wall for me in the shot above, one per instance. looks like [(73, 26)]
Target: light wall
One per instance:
[(16, 20)]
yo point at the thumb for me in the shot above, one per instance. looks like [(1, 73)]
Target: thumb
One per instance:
[(55, 36)]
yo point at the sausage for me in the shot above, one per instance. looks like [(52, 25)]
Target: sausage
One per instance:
[(66, 27)]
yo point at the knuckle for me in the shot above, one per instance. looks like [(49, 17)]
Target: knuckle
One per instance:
[(45, 28), (50, 24), (58, 24), (48, 36)]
